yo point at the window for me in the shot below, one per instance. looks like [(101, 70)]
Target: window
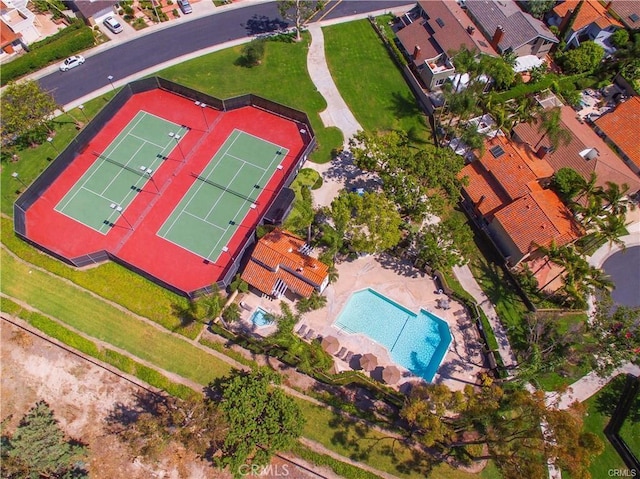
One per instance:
[(440, 81), (496, 151)]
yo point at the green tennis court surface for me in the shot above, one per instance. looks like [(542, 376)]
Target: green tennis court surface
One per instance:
[(212, 210), (120, 172)]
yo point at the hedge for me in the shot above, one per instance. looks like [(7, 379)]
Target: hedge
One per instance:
[(64, 46)]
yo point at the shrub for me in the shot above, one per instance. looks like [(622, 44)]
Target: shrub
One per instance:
[(253, 53), (620, 38), (239, 285), (317, 184), (232, 313)]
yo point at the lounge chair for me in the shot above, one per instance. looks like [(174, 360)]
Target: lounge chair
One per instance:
[(341, 352), (302, 330), (309, 334), (347, 358)]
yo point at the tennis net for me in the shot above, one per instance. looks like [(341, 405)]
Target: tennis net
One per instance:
[(223, 188), (128, 168)]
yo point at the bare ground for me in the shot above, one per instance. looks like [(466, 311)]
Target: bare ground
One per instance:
[(81, 395)]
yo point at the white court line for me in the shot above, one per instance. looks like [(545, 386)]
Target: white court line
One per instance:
[(122, 170), (245, 162), (203, 220), (197, 190), (146, 141)]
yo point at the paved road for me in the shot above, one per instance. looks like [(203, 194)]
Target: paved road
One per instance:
[(181, 39)]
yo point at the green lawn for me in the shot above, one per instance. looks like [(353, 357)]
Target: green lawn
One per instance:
[(306, 179), (370, 82), (360, 443), (599, 409), (111, 281), (100, 320), (281, 77)]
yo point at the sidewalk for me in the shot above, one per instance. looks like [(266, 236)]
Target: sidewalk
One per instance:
[(471, 286)]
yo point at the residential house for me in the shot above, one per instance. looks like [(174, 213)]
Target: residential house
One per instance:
[(20, 20), (627, 11), (441, 28), (585, 152), (509, 29), (281, 262), (591, 22), (504, 193), (92, 11), (9, 41), (621, 129)]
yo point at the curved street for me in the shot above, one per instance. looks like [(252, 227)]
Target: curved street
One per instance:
[(175, 40)]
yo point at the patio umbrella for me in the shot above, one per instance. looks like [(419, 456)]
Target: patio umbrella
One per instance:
[(391, 375), (368, 362), (330, 344)]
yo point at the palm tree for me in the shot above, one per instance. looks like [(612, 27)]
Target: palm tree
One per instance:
[(551, 127), (610, 228), (615, 198)]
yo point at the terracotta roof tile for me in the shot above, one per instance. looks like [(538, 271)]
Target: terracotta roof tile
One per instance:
[(621, 127), (537, 219), (277, 256), (592, 11), (7, 36), (483, 189), (607, 165), (625, 9)]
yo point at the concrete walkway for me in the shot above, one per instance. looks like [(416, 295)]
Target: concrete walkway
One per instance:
[(587, 386), (471, 286), (337, 112)]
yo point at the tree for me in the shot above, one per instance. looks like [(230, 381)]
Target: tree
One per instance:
[(231, 313), (313, 302), (210, 306), (620, 38), (551, 127), (617, 332), (368, 223), (568, 183), (299, 12), (26, 112), (262, 418), (583, 59), (615, 198), (445, 244), (538, 8), (40, 448), (253, 53), (499, 69)]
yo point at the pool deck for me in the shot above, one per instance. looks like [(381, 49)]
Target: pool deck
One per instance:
[(403, 284)]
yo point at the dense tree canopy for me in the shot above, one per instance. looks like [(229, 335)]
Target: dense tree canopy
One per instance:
[(39, 448), (26, 111), (445, 244), (369, 223), (262, 418), (583, 59), (538, 8), (568, 183)]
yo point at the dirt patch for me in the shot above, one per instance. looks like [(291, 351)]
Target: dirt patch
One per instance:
[(81, 396)]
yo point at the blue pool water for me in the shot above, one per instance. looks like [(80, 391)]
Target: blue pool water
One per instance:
[(416, 341), (259, 318)]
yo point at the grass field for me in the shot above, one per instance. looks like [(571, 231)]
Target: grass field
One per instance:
[(111, 281), (370, 82), (282, 77), (100, 320)]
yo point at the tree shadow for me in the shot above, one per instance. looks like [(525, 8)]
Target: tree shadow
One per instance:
[(186, 313), (123, 415), (402, 267), (404, 106), (261, 24)]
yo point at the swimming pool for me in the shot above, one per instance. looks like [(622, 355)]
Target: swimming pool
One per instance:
[(418, 342), (259, 318)]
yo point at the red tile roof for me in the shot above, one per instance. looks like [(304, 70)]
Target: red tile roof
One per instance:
[(607, 165), (483, 189), (7, 36), (592, 11), (277, 256), (537, 219), (622, 127)]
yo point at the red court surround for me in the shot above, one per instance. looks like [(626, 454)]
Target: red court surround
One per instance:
[(142, 248)]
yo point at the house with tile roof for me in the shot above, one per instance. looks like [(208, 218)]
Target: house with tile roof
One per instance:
[(627, 11), (9, 40), (591, 22), (16, 15), (504, 193), (620, 128), (280, 262), (508, 29), (585, 152), (441, 28)]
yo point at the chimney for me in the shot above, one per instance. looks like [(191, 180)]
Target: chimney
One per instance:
[(542, 152), (416, 52), (497, 36)]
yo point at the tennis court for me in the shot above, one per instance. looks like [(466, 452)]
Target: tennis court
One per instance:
[(121, 172), (222, 194)]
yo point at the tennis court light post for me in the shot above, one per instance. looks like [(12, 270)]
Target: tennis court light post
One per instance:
[(203, 105), (50, 141), (176, 137), (81, 108), (118, 209), (17, 177), (110, 78)]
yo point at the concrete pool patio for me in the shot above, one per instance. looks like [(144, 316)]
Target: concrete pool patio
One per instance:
[(404, 284)]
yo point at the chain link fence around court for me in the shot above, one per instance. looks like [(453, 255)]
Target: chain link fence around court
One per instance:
[(80, 143)]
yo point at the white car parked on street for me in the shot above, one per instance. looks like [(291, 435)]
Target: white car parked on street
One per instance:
[(71, 62)]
